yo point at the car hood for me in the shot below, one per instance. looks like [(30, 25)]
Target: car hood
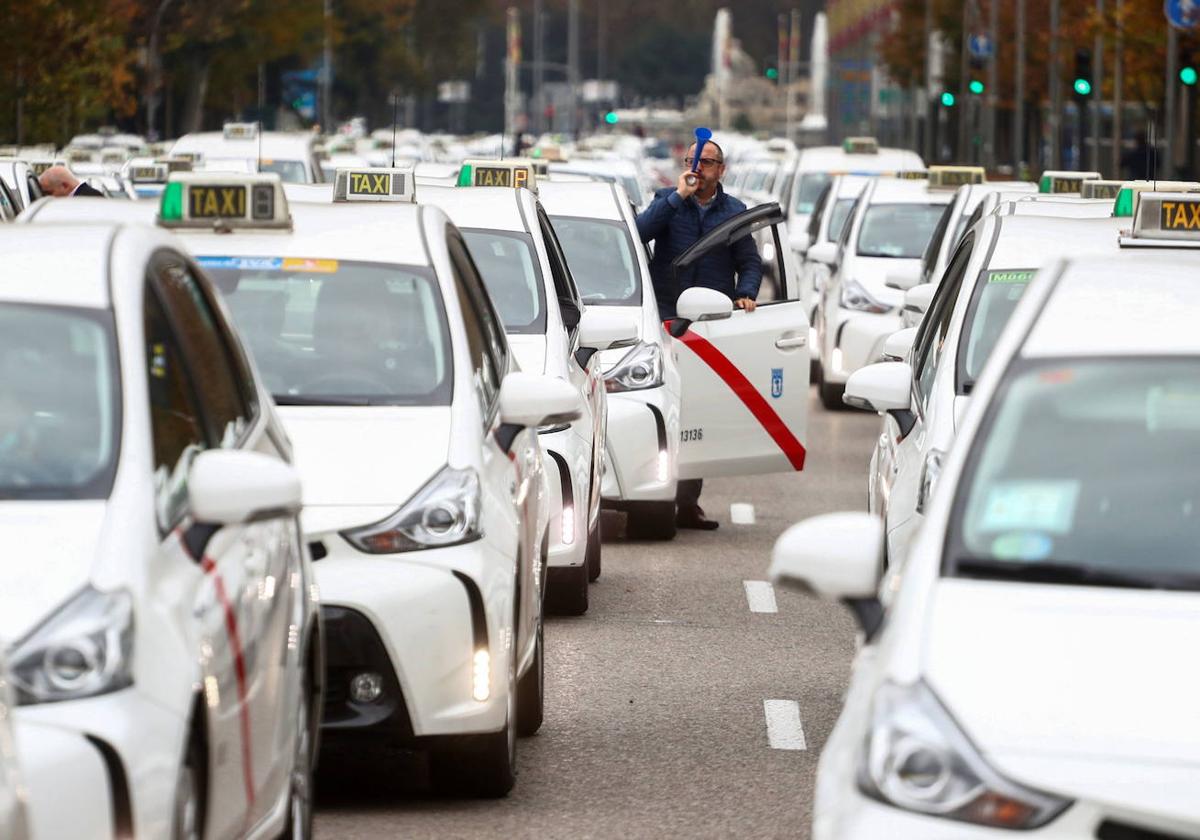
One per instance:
[(54, 548), (1087, 692), (873, 272), (530, 351), (366, 456)]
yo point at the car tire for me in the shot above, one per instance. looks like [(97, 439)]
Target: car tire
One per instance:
[(531, 691), (650, 521), (189, 808), (490, 770), (567, 592), (592, 557), (300, 795), (831, 395)]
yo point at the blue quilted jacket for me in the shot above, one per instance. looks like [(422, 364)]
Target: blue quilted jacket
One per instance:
[(674, 223)]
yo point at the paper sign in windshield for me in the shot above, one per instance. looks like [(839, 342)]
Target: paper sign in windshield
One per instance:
[(1046, 506), (1020, 275)]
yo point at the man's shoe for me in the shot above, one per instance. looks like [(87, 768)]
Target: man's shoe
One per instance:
[(694, 518)]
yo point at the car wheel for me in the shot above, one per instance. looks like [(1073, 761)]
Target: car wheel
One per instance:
[(594, 548), (831, 395), (650, 521), (531, 691), (300, 796), (489, 771), (188, 821), (567, 593)]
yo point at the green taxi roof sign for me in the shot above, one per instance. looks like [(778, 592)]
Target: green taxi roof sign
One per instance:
[(1060, 181), (222, 201), (1126, 198), (860, 146), (1097, 188), (375, 184), (511, 172)]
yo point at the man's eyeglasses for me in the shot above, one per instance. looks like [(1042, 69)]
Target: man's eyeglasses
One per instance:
[(707, 163)]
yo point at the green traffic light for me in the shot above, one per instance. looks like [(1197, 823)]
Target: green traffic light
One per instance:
[(1083, 87), (1188, 76), (976, 87), (948, 99), (611, 118), (772, 73)]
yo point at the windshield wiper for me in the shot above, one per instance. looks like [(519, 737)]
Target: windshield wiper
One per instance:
[(292, 399), (1048, 571)]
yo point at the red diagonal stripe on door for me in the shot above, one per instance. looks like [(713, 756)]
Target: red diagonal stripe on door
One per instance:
[(749, 395)]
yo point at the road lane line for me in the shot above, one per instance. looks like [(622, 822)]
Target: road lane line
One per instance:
[(760, 595), (784, 731)]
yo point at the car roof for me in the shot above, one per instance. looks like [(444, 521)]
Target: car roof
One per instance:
[(1032, 241), (274, 144), (1035, 205), (375, 232), (490, 208), (61, 265), (1137, 304), (589, 199), (81, 209), (903, 191), (826, 158)]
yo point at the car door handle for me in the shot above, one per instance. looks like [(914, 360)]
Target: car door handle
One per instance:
[(789, 343)]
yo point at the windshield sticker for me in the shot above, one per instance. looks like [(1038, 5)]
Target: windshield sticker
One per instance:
[(1046, 506), (1172, 408), (311, 266), (1022, 276), (1022, 545), (241, 263)]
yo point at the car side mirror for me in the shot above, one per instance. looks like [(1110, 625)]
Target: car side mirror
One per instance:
[(918, 298), (903, 278), (604, 329), (799, 241), (231, 486), (898, 345), (838, 556), (884, 387), (825, 253), (529, 400), (699, 304)]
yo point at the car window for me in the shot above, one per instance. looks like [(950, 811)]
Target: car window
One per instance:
[(839, 217), (602, 260), (569, 300), (176, 423), (289, 171), (59, 402), (931, 337), (340, 332), (513, 277), (809, 190), (930, 256), (489, 362), (897, 230), (814, 221), (993, 301), (224, 392)]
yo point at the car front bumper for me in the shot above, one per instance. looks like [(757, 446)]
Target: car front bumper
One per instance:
[(639, 457), (854, 340)]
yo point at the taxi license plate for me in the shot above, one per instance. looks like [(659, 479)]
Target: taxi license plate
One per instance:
[(497, 176), (1180, 215), (216, 201)]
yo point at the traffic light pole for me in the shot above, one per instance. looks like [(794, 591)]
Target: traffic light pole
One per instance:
[(1055, 90), (989, 131), (1167, 167), (1018, 125), (1097, 86), (1118, 98), (931, 110)]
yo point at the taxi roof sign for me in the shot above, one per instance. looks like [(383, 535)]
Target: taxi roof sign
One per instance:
[(1056, 181), (953, 177), (911, 174), (147, 172), (511, 172), (860, 146), (375, 184), (1126, 198), (240, 131), (39, 165), (1165, 220), (1097, 188), (222, 201)]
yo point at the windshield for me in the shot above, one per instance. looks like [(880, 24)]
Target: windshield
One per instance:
[(1086, 472), (290, 171), (839, 217), (59, 403), (809, 189), (898, 230), (512, 276), (334, 332), (601, 258), (992, 303)]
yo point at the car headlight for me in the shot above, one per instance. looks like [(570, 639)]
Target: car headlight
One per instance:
[(82, 650), (639, 369), (916, 758), (855, 297), (930, 470), (444, 512)]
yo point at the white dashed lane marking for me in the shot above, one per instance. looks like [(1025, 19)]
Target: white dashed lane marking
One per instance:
[(760, 595), (784, 731)]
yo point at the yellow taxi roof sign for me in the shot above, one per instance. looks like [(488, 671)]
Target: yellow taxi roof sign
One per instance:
[(509, 172), (953, 177), (146, 171), (1097, 188), (240, 131), (860, 146), (1165, 220), (1057, 181), (375, 184), (222, 201)]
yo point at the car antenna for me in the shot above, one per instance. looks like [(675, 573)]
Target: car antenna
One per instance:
[(258, 160), (1152, 158), (395, 116)]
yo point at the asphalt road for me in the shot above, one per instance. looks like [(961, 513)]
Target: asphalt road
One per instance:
[(655, 718)]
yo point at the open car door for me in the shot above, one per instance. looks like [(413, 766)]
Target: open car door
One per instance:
[(744, 375)]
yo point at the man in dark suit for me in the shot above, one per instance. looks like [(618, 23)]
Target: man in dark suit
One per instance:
[(60, 182)]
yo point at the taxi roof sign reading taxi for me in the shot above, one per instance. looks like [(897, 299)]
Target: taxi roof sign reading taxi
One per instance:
[(221, 201), (953, 177), (860, 146), (513, 172), (1097, 188), (240, 131), (381, 184), (1058, 181), (142, 172), (1165, 220), (1126, 197), (910, 174)]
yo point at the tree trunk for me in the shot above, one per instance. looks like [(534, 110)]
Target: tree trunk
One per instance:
[(197, 92)]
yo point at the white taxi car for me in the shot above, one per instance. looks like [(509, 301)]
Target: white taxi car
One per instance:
[(14, 822), (415, 437), (923, 397), (241, 147), (876, 261), (551, 332), (163, 635), (1054, 588), (598, 233)]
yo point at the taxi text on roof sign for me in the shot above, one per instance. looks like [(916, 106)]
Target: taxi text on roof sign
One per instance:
[(381, 184), (1165, 220), (952, 177), (515, 172), (1057, 181), (912, 174), (860, 146), (241, 131), (1100, 189), (224, 200), (1130, 190)]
